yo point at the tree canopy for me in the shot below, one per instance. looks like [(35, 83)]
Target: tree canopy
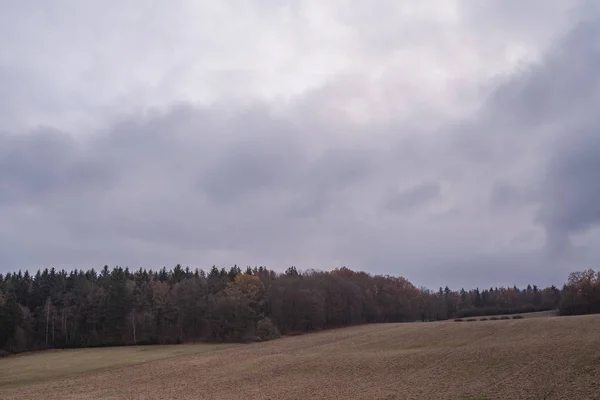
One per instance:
[(118, 307)]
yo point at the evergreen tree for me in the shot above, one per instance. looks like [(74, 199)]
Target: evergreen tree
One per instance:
[(117, 306)]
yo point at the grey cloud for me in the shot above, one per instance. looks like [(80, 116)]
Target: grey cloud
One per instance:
[(414, 196), (324, 182), (485, 270), (540, 127), (245, 170), (571, 186), (262, 156), (565, 96), (515, 17), (505, 195), (267, 155), (563, 86), (46, 163), (250, 182), (160, 179)]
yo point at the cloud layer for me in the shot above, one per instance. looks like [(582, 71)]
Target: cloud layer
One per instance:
[(449, 142)]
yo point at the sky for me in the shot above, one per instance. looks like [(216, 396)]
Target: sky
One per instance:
[(451, 142)]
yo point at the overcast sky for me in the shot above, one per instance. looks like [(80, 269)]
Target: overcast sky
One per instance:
[(450, 142)]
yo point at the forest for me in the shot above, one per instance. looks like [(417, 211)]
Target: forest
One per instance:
[(111, 307)]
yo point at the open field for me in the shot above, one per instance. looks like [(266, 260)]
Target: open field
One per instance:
[(531, 358), (54, 364)]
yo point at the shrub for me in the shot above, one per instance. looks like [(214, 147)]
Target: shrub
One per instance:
[(471, 319), (266, 329), (494, 319), (504, 317), (517, 317), (487, 311), (483, 319), (458, 320)]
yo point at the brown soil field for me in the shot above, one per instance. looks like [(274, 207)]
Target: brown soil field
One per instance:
[(531, 358)]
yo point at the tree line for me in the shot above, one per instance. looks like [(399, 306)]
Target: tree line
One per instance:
[(60, 309)]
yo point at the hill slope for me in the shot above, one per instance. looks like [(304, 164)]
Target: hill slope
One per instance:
[(536, 358)]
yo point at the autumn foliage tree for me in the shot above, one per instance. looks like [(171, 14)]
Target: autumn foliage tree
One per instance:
[(581, 293)]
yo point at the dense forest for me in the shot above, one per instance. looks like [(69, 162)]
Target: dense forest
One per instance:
[(117, 306)]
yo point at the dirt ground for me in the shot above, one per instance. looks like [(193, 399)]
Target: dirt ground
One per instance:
[(31, 368), (532, 358)]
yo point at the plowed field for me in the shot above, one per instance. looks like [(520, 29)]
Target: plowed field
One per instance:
[(532, 358)]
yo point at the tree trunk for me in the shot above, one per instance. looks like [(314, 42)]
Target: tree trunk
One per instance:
[(133, 325), (47, 318), (63, 325)]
